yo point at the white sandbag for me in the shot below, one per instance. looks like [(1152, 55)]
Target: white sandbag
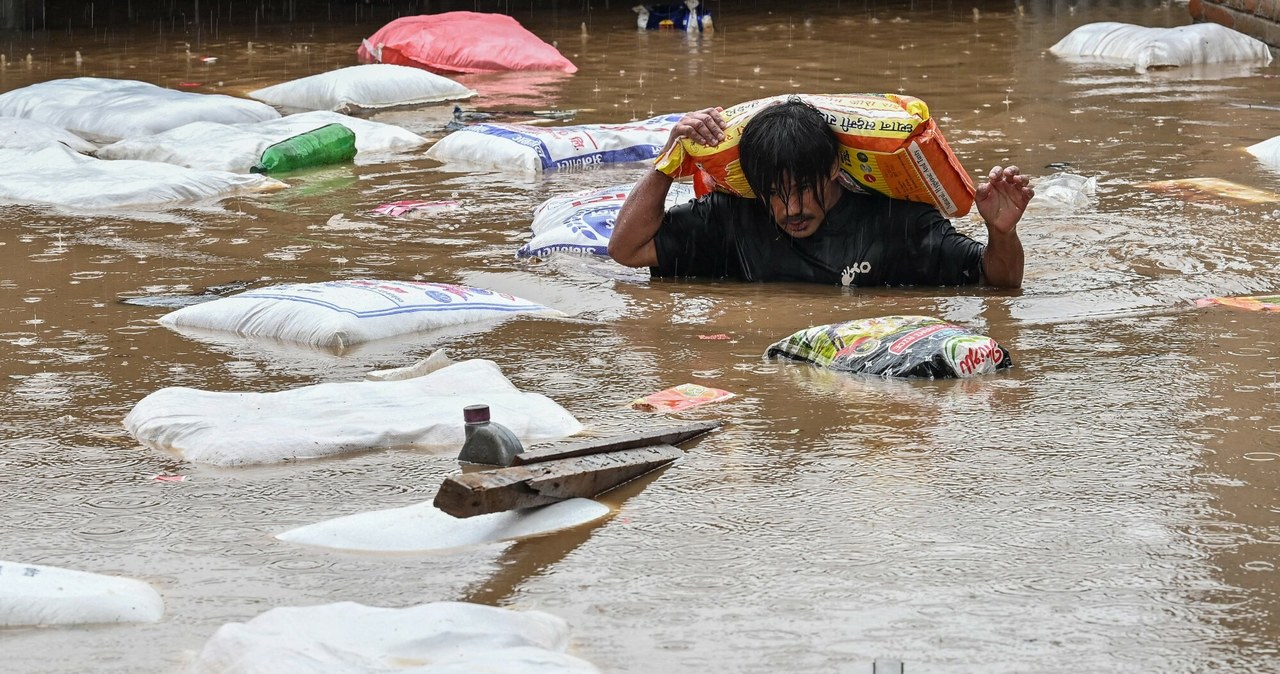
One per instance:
[(529, 148), (58, 175), (337, 315), (351, 638), (1064, 192), (1267, 152), (106, 110), (1144, 48), (237, 147), (366, 87), (31, 594), (582, 222), (423, 527), (28, 134), (241, 428)]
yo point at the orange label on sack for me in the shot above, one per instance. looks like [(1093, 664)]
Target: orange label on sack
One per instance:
[(888, 143)]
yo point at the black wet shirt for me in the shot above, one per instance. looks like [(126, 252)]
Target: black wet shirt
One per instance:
[(864, 240)]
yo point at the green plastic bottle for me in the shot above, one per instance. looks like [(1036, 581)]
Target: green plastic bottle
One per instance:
[(329, 144)]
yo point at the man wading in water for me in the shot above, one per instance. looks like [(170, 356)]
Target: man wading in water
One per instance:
[(804, 225)]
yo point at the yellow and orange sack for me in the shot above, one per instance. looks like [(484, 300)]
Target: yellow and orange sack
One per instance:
[(889, 144)]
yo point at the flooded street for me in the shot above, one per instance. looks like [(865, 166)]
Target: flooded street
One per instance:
[(1108, 504)]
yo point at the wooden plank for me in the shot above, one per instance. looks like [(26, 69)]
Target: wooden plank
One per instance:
[(491, 491), (668, 436)]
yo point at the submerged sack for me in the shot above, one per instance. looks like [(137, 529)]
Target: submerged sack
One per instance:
[(461, 42), (106, 110), (234, 428), (336, 315), (350, 638), (1143, 47), (423, 526), (1267, 152), (529, 148), (889, 144), (896, 346), (367, 87), (329, 144), (31, 594), (583, 222), (58, 175), (29, 134), (238, 147)]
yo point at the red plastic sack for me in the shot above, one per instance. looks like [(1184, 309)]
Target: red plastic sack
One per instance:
[(461, 42)]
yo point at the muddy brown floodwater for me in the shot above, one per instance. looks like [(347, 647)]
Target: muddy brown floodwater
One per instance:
[(1109, 504)]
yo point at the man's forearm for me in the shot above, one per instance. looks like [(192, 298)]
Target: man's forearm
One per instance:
[(1002, 261), (638, 221)]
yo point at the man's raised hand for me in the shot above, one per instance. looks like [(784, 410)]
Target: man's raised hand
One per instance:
[(1003, 198), (703, 126)]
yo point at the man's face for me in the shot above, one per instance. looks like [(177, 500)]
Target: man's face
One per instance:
[(799, 212)]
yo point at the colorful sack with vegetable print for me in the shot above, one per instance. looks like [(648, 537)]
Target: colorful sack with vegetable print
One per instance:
[(888, 144), (896, 346)]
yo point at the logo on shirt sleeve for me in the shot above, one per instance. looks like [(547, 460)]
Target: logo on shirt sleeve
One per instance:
[(851, 272)]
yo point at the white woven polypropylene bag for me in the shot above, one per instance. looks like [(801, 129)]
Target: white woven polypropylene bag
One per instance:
[(582, 222), (28, 134), (31, 594), (350, 638), (237, 147), (366, 87), (526, 148), (1143, 47), (1268, 152), (106, 110), (58, 175), (337, 315), (239, 428)]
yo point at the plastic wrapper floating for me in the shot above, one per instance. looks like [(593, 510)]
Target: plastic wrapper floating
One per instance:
[(680, 397), (896, 346)]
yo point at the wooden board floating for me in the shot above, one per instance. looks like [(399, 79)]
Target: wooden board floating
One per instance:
[(668, 436), (548, 481)]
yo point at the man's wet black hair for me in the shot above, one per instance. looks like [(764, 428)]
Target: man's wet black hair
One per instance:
[(785, 142)]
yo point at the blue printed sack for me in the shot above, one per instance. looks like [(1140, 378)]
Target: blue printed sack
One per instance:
[(530, 148), (582, 222)]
